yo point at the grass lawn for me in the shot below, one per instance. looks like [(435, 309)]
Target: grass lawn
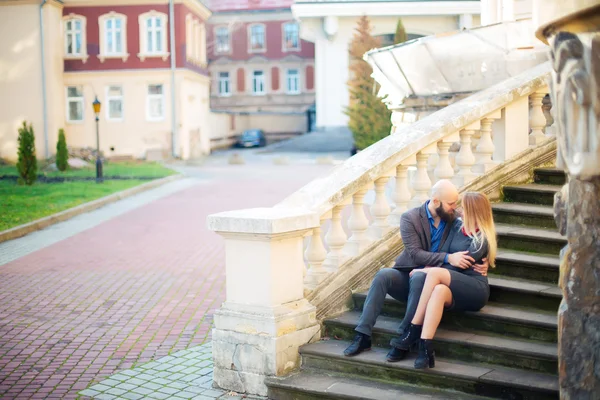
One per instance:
[(22, 204), (125, 169)]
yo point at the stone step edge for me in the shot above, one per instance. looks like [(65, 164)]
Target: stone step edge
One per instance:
[(533, 188), (535, 259), (488, 313), (495, 281), (378, 388), (407, 365), (523, 209), (353, 316), (530, 233)]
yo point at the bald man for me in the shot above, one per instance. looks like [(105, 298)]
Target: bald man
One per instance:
[(424, 230)]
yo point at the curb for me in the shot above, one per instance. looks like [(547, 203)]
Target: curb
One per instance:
[(42, 223)]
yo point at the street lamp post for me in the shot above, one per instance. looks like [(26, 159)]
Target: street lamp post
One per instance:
[(97, 105)]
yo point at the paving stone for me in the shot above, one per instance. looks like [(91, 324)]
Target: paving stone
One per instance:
[(110, 382), (176, 376), (104, 396), (126, 386), (169, 390), (116, 391), (120, 377), (146, 390), (213, 393), (132, 396), (136, 381), (89, 392), (177, 368), (177, 385), (159, 395), (160, 381), (100, 387)]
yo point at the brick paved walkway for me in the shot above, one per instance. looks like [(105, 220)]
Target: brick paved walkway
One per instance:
[(129, 290)]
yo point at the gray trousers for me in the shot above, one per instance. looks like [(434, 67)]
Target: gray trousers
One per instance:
[(401, 287)]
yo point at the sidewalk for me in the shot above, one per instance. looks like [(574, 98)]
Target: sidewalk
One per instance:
[(124, 285)]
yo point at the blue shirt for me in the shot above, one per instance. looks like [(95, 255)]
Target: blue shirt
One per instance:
[(436, 233)]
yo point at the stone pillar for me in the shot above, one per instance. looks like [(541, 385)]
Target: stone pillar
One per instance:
[(576, 95), (265, 317)]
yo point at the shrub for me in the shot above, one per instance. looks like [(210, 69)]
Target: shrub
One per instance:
[(62, 154), (27, 164)]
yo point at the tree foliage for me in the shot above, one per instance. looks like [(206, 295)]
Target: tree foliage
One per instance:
[(370, 119), (27, 163)]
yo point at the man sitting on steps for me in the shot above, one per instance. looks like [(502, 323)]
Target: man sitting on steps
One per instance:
[(423, 229)]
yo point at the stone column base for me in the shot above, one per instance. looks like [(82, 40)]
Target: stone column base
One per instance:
[(252, 343)]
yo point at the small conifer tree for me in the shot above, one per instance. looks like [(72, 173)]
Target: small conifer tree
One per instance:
[(27, 163), (62, 154), (400, 36), (370, 119)]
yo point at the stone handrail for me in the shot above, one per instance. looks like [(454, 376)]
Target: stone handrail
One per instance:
[(268, 278)]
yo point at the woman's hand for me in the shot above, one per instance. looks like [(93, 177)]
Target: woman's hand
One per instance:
[(461, 259), (483, 267), (423, 270)]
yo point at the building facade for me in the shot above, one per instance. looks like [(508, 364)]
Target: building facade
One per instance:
[(151, 78), (260, 67), (331, 24)]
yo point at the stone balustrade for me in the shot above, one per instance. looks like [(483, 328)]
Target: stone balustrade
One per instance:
[(277, 256)]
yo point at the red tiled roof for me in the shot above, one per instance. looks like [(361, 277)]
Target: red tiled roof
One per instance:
[(233, 5)]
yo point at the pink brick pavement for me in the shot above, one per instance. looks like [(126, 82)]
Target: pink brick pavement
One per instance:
[(130, 290)]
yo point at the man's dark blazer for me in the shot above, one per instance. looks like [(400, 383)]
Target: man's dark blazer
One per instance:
[(416, 235)]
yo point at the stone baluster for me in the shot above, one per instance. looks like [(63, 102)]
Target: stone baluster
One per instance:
[(358, 224), (485, 148), (537, 119), (402, 193), (421, 183), (315, 255), (465, 159), (380, 210), (336, 239), (444, 169)]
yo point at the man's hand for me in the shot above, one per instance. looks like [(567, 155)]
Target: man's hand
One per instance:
[(483, 267), (460, 259)]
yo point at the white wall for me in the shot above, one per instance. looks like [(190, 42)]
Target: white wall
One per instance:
[(332, 60)]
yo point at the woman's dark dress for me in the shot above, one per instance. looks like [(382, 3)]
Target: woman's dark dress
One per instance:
[(470, 290)]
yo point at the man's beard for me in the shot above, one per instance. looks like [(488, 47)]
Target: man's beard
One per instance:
[(444, 216)]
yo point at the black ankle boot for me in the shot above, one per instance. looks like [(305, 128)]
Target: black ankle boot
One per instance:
[(426, 356), (410, 336)]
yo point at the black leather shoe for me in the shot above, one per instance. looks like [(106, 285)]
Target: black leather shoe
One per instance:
[(360, 343), (410, 336), (395, 355)]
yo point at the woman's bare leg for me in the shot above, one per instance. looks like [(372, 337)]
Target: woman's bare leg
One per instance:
[(441, 296), (435, 276)]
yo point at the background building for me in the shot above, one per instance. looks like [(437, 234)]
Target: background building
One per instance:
[(330, 25), (260, 67), (154, 87)]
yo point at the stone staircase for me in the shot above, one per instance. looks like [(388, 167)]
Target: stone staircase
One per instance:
[(508, 350)]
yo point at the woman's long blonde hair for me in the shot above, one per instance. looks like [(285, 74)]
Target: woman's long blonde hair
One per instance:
[(478, 222)]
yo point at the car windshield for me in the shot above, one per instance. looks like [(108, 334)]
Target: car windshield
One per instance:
[(250, 134)]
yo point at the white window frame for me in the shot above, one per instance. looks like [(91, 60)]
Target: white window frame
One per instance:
[(224, 81), (287, 81), (145, 52), (110, 97), (250, 49), (150, 97), (253, 80), (80, 99), (283, 42), (104, 54), (216, 30), (82, 55)]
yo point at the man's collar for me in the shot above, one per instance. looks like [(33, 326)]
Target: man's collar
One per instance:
[(427, 209)]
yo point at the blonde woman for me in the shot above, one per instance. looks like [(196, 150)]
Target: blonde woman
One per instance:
[(449, 287)]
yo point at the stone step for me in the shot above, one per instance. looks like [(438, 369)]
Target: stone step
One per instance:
[(472, 378), (534, 240), (549, 176), (318, 384), (458, 345), (503, 319), (523, 292), (524, 214), (526, 265), (532, 193)]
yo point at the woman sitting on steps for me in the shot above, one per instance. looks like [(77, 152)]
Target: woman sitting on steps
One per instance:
[(450, 287)]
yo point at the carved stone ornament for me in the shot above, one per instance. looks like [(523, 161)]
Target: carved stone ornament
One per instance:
[(576, 63)]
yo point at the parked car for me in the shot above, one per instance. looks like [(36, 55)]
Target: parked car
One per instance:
[(252, 138)]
